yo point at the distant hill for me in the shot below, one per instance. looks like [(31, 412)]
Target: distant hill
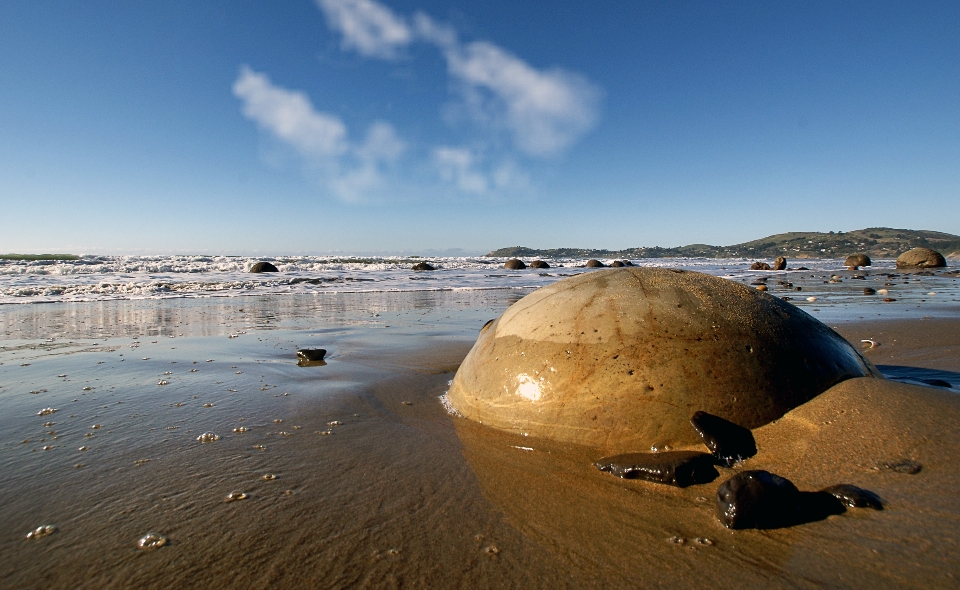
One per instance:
[(876, 242)]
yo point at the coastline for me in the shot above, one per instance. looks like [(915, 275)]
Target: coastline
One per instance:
[(401, 493)]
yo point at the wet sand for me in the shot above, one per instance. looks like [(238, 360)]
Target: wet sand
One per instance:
[(377, 486)]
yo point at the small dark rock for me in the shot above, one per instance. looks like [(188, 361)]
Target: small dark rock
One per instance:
[(759, 266), (780, 263), (757, 499), (869, 291), (937, 383), (514, 264), (423, 266), (263, 267), (594, 263), (676, 468), (921, 258), (312, 354), (854, 497), (856, 260), (803, 268), (539, 264), (617, 264), (730, 443), (907, 466), (626, 263)]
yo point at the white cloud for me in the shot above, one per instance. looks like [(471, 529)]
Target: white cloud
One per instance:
[(457, 166), (352, 171), (289, 116), (545, 111), (369, 27)]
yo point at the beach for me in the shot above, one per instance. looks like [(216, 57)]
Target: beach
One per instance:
[(353, 473)]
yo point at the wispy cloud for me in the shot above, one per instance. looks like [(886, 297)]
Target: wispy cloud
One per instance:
[(352, 170), (527, 111), (369, 27)]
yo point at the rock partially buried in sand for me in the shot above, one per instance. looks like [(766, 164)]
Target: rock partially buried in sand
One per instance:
[(921, 258), (594, 263), (423, 266), (676, 468), (854, 497), (780, 263), (730, 443), (620, 359), (539, 264), (514, 264), (312, 354), (757, 499), (857, 260), (617, 264), (263, 267)]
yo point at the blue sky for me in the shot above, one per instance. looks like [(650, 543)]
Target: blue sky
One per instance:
[(316, 126)]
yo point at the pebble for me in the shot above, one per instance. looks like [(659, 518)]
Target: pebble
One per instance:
[(42, 531), (208, 405), (97, 426), (241, 429), (854, 497), (269, 477), (163, 382), (46, 411), (730, 443), (208, 437), (151, 541), (235, 496), (907, 466)]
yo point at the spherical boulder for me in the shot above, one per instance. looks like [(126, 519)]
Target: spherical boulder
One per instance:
[(263, 267), (594, 263), (539, 264), (856, 260), (780, 263), (514, 264), (620, 359), (759, 266), (617, 264), (921, 258), (423, 266)]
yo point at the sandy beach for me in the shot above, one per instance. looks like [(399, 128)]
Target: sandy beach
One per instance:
[(355, 475)]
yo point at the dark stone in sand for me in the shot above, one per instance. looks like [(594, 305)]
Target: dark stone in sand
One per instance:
[(921, 258), (617, 264), (907, 466), (263, 267), (514, 264), (780, 263), (539, 264), (312, 354), (803, 268), (423, 266), (594, 263), (854, 497), (857, 260), (869, 291), (730, 443), (759, 266), (676, 468), (937, 383), (757, 500)]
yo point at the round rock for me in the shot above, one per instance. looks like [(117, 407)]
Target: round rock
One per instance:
[(423, 266), (514, 264), (594, 263), (855, 260), (780, 263), (263, 267), (921, 258), (539, 264), (620, 359)]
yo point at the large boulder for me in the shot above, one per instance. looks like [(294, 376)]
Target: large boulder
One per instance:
[(263, 267), (620, 359), (857, 260), (594, 263), (921, 258), (759, 266), (423, 266), (539, 264), (780, 263), (514, 264)]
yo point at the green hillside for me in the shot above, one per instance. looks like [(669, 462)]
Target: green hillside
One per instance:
[(877, 242)]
